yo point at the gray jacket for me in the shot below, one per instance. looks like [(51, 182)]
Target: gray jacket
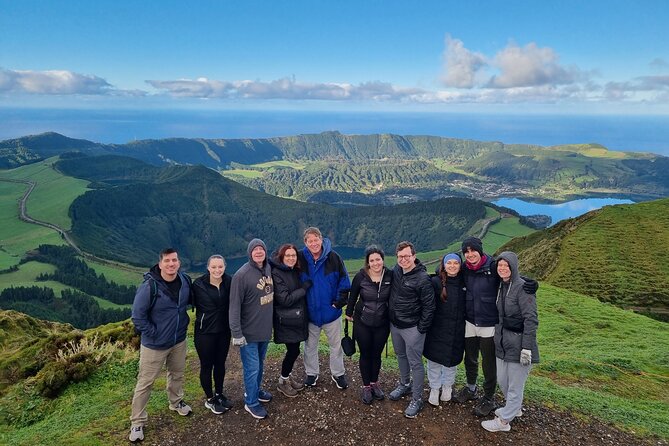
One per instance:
[(251, 302), (518, 320)]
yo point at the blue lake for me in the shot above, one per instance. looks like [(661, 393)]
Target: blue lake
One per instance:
[(560, 211)]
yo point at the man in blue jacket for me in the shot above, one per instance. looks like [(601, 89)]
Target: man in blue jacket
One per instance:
[(328, 294), (159, 314)]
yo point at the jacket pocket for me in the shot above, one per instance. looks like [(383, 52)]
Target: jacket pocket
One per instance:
[(290, 317)]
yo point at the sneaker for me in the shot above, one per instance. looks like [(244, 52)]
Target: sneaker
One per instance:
[(446, 393), (297, 385), (377, 393), (264, 396), (181, 408), (224, 401), (286, 388), (340, 381), (366, 395), (433, 399), (400, 391), (136, 433), (258, 411), (311, 381), (495, 425), (465, 394), (484, 407), (413, 408), (214, 405)]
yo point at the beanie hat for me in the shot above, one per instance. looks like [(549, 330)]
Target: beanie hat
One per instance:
[(474, 243), (253, 244), (451, 256)]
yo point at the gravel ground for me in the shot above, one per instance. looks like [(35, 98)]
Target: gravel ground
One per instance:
[(325, 415)]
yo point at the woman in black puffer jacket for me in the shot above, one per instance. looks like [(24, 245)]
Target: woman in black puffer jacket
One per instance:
[(290, 314), (211, 299), (368, 308)]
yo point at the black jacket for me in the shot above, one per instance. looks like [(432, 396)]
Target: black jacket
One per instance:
[(445, 341), (371, 308), (482, 285), (411, 298), (211, 305), (290, 305)]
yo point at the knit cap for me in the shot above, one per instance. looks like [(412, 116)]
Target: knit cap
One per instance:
[(451, 256), (252, 245)]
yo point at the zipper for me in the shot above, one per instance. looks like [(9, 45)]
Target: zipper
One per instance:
[(202, 321)]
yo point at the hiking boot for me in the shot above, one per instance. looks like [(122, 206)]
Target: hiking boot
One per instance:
[(465, 394), (311, 381), (484, 407), (413, 408), (340, 381), (286, 388), (214, 405), (433, 399), (223, 400), (446, 393), (297, 385), (400, 391), (495, 425), (259, 412), (181, 408), (366, 395), (136, 433), (264, 396), (377, 393)]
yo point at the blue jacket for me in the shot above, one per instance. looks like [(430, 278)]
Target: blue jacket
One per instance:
[(330, 284), (163, 325)]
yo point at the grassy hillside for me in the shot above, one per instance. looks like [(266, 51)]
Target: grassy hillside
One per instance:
[(597, 360), (615, 254)]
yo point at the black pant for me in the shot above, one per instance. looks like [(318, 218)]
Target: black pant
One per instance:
[(292, 352), (371, 341), (213, 351), (487, 347)]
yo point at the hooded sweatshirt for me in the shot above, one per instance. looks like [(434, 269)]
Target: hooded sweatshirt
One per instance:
[(518, 320), (251, 299)]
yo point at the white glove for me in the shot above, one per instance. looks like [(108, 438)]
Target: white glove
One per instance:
[(239, 342), (525, 357)]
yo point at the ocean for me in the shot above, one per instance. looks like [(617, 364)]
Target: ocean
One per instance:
[(626, 133)]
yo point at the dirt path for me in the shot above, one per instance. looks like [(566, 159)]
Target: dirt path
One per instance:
[(325, 415)]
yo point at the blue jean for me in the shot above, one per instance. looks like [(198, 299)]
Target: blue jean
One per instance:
[(253, 359)]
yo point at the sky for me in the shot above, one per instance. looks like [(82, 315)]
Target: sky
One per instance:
[(591, 57)]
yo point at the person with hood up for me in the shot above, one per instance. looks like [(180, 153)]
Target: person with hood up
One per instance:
[(516, 346), (159, 315), (445, 341), (251, 311), (290, 314), (410, 311), (368, 308), (211, 299)]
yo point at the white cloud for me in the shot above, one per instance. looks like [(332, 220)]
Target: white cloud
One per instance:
[(461, 65), (52, 82)]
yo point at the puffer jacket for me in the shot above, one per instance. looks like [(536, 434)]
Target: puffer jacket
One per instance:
[(368, 301), (291, 320), (482, 285), (163, 325), (411, 298), (211, 305), (520, 310)]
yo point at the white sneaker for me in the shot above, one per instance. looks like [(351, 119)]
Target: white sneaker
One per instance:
[(446, 393), (136, 433), (434, 397), (495, 425)]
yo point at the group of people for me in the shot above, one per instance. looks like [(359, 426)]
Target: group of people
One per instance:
[(479, 305)]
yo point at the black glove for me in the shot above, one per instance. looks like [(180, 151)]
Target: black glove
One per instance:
[(307, 284), (340, 303), (530, 286)]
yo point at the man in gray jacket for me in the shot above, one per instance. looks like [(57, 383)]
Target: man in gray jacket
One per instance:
[(251, 310)]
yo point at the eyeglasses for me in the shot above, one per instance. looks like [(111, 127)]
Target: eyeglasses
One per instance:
[(406, 257), (290, 255)]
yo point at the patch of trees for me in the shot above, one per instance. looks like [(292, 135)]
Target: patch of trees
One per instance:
[(72, 271), (74, 307)]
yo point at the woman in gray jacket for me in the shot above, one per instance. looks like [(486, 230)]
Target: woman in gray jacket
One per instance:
[(515, 341)]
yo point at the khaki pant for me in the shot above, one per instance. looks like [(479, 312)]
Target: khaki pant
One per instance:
[(150, 365)]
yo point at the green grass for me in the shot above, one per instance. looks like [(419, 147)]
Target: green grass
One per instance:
[(120, 276), (257, 170)]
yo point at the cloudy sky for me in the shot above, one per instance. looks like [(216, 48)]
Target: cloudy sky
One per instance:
[(514, 56)]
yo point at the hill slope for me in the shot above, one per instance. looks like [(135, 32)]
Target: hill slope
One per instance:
[(616, 254)]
